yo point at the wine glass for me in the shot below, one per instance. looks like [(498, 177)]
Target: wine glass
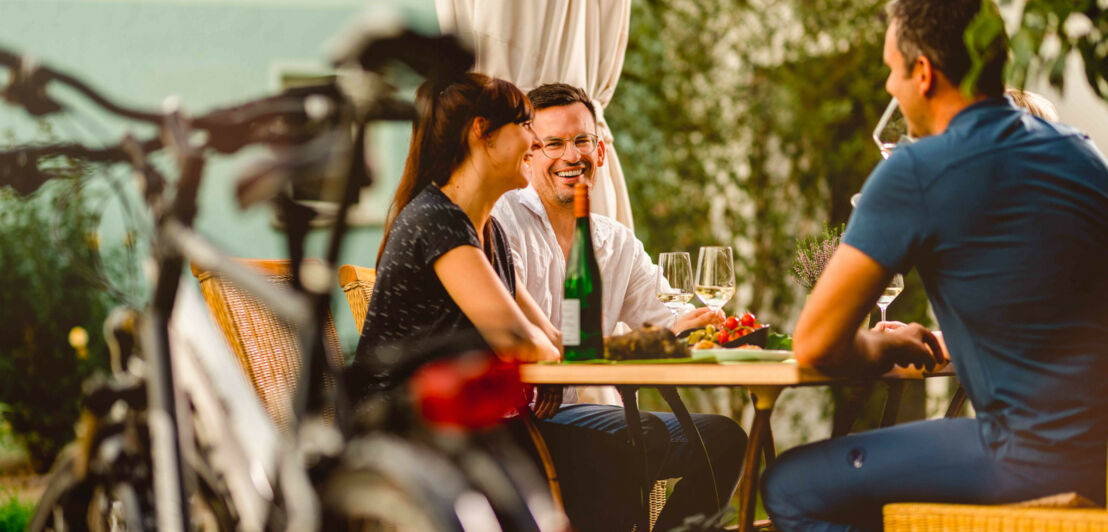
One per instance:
[(891, 130), (675, 281), (896, 286), (715, 276)]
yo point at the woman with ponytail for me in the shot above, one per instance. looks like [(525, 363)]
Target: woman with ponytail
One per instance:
[(444, 264)]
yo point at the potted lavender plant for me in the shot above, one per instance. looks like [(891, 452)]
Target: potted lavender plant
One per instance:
[(812, 255)]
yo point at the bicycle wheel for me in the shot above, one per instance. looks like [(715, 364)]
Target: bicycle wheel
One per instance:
[(389, 484), (365, 501)]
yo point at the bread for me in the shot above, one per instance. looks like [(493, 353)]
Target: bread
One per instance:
[(646, 343)]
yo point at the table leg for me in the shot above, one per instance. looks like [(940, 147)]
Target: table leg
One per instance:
[(956, 402), (852, 397), (669, 393), (638, 444), (764, 398), (769, 449), (892, 403)]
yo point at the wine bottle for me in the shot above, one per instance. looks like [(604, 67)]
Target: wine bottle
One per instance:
[(582, 312)]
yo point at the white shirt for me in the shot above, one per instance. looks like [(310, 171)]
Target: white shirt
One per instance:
[(627, 274)]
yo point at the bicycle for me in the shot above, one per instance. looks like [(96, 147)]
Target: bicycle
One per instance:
[(146, 462)]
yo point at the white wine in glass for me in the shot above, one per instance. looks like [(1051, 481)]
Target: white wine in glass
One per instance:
[(896, 286), (715, 276), (675, 283)]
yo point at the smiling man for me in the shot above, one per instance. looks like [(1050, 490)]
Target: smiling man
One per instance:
[(542, 221), (595, 462), (1005, 217)]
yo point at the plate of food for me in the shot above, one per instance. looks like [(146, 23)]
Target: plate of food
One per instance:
[(738, 339), (734, 332)]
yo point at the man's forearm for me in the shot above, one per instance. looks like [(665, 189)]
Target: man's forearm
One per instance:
[(857, 355)]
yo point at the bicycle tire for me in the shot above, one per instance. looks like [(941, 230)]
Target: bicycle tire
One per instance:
[(389, 484), (496, 466), (370, 502)]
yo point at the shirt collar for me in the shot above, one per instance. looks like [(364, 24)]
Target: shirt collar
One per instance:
[(529, 198), (971, 114)]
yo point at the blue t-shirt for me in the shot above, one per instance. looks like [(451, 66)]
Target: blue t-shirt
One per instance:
[(1005, 216)]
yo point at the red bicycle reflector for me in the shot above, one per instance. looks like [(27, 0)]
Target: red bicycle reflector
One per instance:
[(474, 390)]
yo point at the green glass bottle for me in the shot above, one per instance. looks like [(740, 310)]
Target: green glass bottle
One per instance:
[(582, 310)]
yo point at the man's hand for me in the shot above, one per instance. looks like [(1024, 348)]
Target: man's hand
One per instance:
[(893, 325), (697, 318), (547, 400), (883, 326), (904, 345)]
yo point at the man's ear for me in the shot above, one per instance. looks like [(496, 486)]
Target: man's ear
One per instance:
[(924, 73), (601, 151)]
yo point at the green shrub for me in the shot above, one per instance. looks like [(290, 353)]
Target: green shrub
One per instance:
[(15, 514), (49, 284)]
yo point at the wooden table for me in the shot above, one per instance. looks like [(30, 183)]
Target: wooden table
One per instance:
[(764, 380)]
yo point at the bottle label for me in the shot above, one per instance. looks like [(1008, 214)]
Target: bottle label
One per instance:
[(571, 322)]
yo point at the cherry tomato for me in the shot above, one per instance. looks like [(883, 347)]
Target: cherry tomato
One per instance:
[(731, 322), (748, 320), (722, 337)]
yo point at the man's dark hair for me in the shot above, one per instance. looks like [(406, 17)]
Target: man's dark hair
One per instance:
[(936, 29), (557, 95)]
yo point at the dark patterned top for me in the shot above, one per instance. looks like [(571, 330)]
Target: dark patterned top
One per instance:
[(409, 301)]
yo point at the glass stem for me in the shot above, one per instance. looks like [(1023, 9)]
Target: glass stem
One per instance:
[(882, 312)]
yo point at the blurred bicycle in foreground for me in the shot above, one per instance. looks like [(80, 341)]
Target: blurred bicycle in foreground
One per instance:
[(175, 437)]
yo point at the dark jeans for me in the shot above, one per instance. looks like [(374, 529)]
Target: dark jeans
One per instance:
[(841, 484), (598, 469)]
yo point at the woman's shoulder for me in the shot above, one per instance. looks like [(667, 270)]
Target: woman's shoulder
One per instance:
[(431, 209), (431, 225)]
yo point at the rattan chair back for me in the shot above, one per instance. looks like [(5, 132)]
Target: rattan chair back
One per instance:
[(357, 283), (264, 345)]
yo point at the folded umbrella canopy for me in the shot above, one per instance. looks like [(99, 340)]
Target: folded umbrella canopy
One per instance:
[(581, 43)]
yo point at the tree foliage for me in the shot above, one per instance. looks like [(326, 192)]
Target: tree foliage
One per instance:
[(1049, 30), (749, 124)]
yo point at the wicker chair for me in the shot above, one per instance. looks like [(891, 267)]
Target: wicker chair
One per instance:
[(1066, 512), (357, 283), (265, 347)]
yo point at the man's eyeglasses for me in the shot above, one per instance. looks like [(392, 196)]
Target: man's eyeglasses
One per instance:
[(584, 144)]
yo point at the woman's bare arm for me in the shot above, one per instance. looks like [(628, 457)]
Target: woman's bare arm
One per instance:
[(475, 288), (533, 313)]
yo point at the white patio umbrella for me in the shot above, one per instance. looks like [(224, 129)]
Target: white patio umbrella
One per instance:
[(531, 42)]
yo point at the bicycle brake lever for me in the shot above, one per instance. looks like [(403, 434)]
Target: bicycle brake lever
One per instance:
[(27, 88)]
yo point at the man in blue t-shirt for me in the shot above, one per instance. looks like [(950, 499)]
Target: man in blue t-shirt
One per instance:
[(1005, 216)]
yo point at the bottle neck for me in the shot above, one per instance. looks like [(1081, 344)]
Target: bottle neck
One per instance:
[(580, 200)]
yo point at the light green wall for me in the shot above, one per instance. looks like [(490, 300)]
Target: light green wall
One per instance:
[(208, 53)]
